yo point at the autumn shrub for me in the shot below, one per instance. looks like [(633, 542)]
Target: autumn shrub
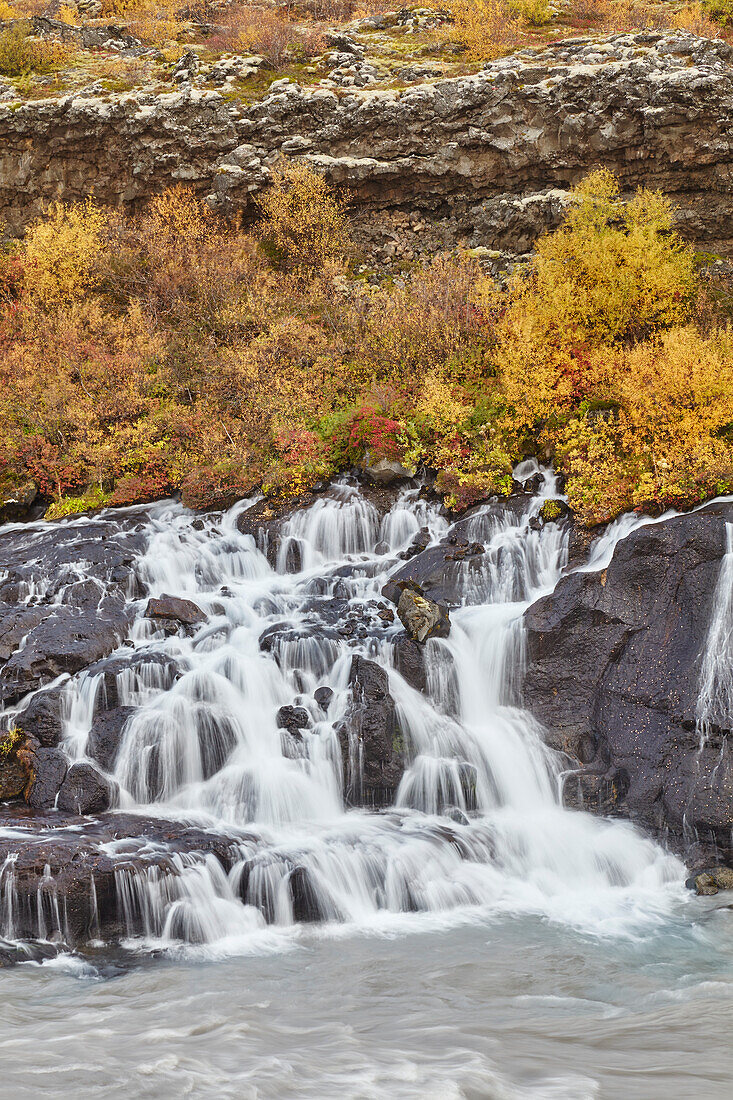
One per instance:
[(720, 11), (61, 252), (614, 271), (659, 432), (441, 317), (485, 28), (7, 12), (21, 53), (303, 223), (220, 484), (534, 12), (703, 19)]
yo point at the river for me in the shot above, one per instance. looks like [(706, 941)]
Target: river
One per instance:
[(474, 939)]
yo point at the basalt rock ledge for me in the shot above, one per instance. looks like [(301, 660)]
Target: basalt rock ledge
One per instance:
[(485, 160)]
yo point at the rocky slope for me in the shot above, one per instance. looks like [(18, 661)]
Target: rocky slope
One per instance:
[(485, 159), (615, 667), (613, 672)]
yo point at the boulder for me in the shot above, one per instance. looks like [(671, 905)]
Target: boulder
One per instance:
[(706, 883), (385, 471), (372, 746), (41, 717), (105, 736), (323, 696), (422, 618), (49, 769), (85, 790), (409, 660), (174, 609), (613, 674), (293, 719)]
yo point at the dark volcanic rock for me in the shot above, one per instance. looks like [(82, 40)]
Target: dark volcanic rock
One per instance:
[(293, 719), (371, 742), (85, 791), (41, 717), (323, 696), (409, 659), (175, 609), (614, 675), (79, 612), (105, 736), (49, 770), (78, 898)]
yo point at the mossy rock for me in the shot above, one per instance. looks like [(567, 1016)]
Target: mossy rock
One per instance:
[(553, 510)]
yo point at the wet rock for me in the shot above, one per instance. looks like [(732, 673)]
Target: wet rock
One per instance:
[(323, 696), (105, 736), (41, 717), (74, 620), (66, 880), (85, 790), (419, 543), (409, 660), (308, 906), (175, 609), (421, 617), (613, 674), (553, 510), (293, 719), (371, 742), (534, 483), (703, 884), (49, 770)]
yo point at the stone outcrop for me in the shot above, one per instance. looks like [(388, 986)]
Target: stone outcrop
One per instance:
[(371, 743), (485, 159), (613, 673), (422, 618), (73, 619)]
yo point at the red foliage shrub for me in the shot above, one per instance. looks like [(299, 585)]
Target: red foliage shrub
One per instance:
[(371, 432)]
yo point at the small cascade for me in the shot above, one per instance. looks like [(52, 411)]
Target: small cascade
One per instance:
[(715, 701), (475, 825)]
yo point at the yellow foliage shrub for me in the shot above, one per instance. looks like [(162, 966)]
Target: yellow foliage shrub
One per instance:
[(303, 224), (21, 53), (694, 18), (68, 14), (661, 432), (534, 12), (7, 11), (486, 28), (61, 251), (612, 272)]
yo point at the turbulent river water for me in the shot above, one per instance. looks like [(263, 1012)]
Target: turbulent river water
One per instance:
[(475, 938)]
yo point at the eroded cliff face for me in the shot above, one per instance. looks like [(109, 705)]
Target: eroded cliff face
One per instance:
[(485, 160)]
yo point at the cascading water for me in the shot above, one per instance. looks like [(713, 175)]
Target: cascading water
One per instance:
[(715, 701), (476, 825)]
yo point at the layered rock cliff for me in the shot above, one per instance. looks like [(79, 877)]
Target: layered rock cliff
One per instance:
[(485, 159)]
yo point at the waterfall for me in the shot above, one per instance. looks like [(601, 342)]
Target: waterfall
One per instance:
[(476, 825), (715, 700)]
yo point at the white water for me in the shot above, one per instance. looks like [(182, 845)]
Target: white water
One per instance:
[(476, 829), (715, 701)]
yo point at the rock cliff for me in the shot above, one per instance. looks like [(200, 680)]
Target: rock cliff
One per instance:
[(485, 159)]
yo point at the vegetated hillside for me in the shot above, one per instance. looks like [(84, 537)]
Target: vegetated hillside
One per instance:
[(173, 351)]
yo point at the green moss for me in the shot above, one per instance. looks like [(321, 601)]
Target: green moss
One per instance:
[(10, 741), (551, 510), (91, 501)]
